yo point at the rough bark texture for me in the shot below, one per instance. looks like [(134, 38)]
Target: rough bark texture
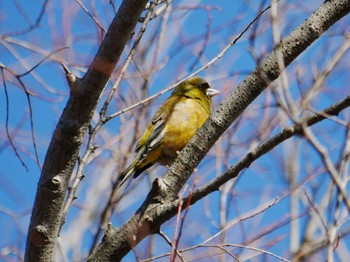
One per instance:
[(68, 135), (267, 71), (160, 205)]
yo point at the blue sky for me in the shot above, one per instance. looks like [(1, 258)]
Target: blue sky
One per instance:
[(66, 25)]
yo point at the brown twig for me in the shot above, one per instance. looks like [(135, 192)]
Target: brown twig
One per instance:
[(7, 120), (91, 16), (31, 27), (212, 61)]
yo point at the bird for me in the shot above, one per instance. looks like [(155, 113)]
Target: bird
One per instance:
[(172, 126)]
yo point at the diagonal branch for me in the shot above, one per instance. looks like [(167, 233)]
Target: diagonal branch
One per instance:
[(267, 146), (159, 205), (255, 83)]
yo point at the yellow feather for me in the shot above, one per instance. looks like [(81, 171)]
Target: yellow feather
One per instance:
[(172, 127)]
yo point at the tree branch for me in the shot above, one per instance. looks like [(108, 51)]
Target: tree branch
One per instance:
[(159, 205), (68, 135), (266, 147)]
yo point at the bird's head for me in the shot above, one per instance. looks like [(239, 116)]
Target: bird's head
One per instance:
[(195, 87)]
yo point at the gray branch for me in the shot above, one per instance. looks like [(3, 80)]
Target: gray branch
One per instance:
[(64, 148), (160, 204)]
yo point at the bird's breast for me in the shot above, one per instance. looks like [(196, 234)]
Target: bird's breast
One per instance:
[(184, 121)]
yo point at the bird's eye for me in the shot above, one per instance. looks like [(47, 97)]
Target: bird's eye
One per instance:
[(204, 86)]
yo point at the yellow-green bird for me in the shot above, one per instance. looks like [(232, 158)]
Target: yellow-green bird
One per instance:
[(172, 127)]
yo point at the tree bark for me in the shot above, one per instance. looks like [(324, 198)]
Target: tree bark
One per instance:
[(160, 204), (64, 148)]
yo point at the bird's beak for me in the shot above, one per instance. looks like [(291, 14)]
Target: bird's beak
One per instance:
[(212, 92)]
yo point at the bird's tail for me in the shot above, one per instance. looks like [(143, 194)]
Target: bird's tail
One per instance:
[(124, 176), (135, 169)]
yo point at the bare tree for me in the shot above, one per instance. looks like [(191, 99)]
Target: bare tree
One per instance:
[(285, 121)]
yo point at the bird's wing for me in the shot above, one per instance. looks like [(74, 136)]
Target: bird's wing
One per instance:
[(155, 132), (153, 135)]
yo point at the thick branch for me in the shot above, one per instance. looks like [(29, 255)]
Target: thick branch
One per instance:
[(267, 146), (68, 135), (266, 72), (159, 205)]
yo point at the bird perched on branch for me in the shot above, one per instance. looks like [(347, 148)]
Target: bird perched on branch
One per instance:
[(172, 127)]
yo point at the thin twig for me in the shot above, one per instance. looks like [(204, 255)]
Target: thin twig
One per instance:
[(93, 131), (177, 236), (266, 146), (91, 16), (250, 248), (228, 252), (28, 94), (321, 77), (285, 99), (31, 27), (42, 61), (308, 134), (205, 42), (7, 120), (216, 58), (165, 237)]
